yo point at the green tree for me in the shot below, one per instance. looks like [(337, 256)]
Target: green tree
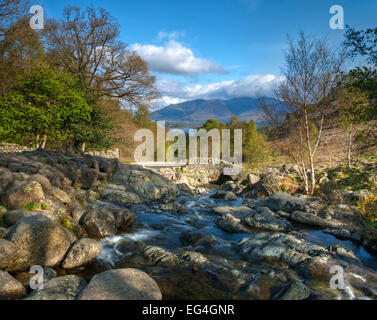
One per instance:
[(255, 149), (44, 103)]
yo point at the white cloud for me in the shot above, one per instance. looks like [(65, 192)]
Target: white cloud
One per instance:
[(174, 58), (173, 35), (248, 86)]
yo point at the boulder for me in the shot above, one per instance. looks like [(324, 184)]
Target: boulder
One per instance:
[(11, 217), (6, 179), (193, 258), (309, 219), (122, 284), (20, 195), (42, 180), (296, 291), (10, 288), (149, 185), (264, 219), (61, 288), (82, 252), (224, 195), (8, 253), (285, 202), (61, 195), (196, 238), (230, 224), (39, 241), (123, 217), (173, 206), (99, 223), (119, 197)]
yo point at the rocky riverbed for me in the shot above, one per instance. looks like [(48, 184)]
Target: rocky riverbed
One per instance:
[(101, 229)]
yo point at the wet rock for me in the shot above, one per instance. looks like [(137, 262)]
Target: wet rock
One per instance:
[(82, 252), (285, 202), (193, 258), (263, 218), (122, 198), (123, 217), (8, 253), (238, 212), (156, 255), (61, 288), (173, 206), (20, 195), (296, 291), (122, 284), (195, 238), (185, 188), (149, 185), (39, 241), (224, 195), (10, 288), (278, 246), (98, 223), (309, 219), (230, 224)]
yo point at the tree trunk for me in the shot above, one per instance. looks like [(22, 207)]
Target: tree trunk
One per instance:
[(37, 140), (44, 141), (83, 146), (349, 146)]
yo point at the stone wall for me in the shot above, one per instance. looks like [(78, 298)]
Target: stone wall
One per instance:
[(10, 147)]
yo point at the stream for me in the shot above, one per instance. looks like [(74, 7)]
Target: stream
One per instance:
[(163, 229)]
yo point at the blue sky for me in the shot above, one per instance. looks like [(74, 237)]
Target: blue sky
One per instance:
[(219, 48)]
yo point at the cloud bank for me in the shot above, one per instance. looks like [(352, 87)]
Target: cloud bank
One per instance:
[(174, 91)]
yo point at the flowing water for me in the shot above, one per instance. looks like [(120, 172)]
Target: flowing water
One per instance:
[(163, 229)]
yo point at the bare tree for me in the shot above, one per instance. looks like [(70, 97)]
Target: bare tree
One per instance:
[(272, 112), (85, 43), (311, 72)]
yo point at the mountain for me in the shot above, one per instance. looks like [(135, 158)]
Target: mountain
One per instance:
[(199, 111)]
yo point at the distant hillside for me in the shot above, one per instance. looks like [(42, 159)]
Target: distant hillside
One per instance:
[(202, 110)]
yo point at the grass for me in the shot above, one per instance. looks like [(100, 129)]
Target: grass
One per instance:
[(353, 179)]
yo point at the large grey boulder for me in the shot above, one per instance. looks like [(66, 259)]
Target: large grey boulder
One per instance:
[(82, 252), (264, 219), (149, 185), (284, 202), (61, 288), (39, 241), (122, 284), (10, 288)]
